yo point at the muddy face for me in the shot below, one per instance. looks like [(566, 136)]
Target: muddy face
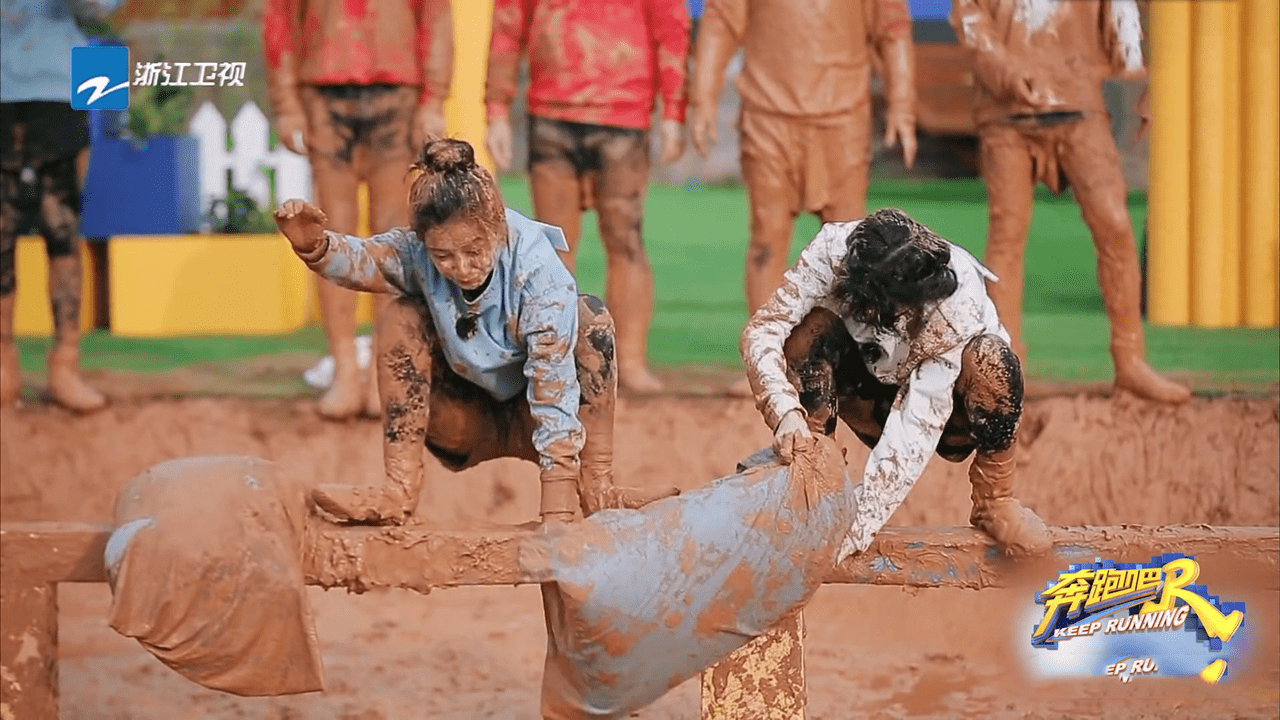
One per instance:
[(463, 251)]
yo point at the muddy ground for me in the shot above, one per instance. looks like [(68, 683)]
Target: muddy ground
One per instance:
[(477, 652)]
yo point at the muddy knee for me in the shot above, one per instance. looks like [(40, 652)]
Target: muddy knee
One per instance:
[(991, 385), (813, 351), (594, 353)]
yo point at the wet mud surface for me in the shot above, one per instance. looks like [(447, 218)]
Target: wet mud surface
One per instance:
[(478, 652)]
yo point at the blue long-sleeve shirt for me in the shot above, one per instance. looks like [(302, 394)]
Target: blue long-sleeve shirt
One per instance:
[(527, 318), (36, 37)]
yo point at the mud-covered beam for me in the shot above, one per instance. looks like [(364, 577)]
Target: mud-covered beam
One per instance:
[(37, 552), (420, 558), (966, 558), (413, 557)]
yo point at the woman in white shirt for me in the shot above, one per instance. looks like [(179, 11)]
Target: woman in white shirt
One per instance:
[(888, 327)]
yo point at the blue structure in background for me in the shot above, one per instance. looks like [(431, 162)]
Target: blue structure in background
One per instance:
[(920, 9), (930, 9), (151, 188)]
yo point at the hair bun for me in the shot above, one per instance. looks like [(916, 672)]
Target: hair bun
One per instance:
[(447, 155)]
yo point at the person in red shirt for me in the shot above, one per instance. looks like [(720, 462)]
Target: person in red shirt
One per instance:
[(595, 69), (357, 86)]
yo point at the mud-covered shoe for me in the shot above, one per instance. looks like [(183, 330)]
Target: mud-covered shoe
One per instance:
[(67, 386), (1134, 375), (1015, 528), (638, 380), (366, 504), (344, 399), (624, 498)]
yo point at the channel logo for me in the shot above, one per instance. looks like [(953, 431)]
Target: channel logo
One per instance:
[(100, 78)]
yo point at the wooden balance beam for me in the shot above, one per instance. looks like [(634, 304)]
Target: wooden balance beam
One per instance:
[(35, 557)]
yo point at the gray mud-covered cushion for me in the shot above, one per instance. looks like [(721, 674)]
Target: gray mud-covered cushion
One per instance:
[(636, 602), (205, 568)]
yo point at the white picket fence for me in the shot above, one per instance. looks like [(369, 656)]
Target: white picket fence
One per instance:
[(249, 158)]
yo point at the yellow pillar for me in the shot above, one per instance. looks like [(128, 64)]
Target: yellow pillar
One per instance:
[(1231, 281), (464, 110), (1169, 192), (763, 679), (1260, 172), (1208, 168)]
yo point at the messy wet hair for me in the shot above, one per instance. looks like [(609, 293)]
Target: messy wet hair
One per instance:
[(451, 185), (895, 266)]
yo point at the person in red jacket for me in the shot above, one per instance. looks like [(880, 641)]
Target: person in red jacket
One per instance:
[(357, 86), (595, 69)]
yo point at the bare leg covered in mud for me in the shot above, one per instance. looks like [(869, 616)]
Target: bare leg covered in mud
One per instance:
[(573, 166), (403, 361), (57, 217), (827, 368), (426, 406), (356, 134), (594, 355), (1092, 164)]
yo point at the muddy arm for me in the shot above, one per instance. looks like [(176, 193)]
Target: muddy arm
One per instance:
[(889, 26), (435, 51), (506, 47), (803, 287), (910, 436), (1122, 37), (719, 35), (548, 326), (280, 21), (380, 264), (669, 23), (975, 30)]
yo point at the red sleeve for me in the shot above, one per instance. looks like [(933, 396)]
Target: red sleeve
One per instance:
[(669, 28), (510, 35), (433, 46), (279, 30)]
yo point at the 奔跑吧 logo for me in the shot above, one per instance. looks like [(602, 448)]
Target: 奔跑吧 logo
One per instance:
[(100, 78), (1129, 620)]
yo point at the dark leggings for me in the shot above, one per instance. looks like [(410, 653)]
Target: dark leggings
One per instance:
[(49, 201), (826, 366)]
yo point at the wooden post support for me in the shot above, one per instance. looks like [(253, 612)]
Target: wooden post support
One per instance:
[(762, 679), (29, 651)]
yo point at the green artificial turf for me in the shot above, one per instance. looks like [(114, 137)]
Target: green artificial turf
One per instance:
[(697, 240)]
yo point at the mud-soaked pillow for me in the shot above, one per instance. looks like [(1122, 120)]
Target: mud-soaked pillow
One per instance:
[(636, 602), (205, 568)]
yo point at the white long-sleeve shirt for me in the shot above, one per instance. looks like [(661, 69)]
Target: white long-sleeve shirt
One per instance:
[(925, 366)]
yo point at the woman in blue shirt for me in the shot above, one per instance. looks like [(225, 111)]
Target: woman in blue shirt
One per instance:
[(488, 351)]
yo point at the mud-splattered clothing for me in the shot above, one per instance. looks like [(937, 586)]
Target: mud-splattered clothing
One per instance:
[(517, 335), (1067, 49), (36, 37), (924, 366), (340, 42), (600, 62), (821, 66)]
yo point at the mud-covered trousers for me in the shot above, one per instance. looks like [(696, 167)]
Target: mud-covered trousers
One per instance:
[(828, 369), (465, 425), (41, 170)]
